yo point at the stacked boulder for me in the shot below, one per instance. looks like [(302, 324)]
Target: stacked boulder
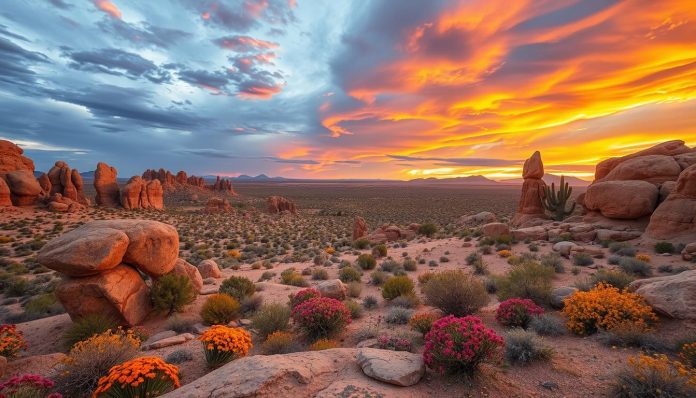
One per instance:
[(102, 262), (17, 173), (676, 216), (141, 194), (108, 192), (280, 205), (65, 187), (531, 206)]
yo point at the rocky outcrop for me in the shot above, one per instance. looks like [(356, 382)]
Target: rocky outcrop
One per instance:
[(218, 204), (390, 233), (475, 220), (279, 205), (676, 216), (108, 192), (141, 194), (182, 180), (5, 197), (673, 295), (359, 228), (531, 204), (12, 158), (495, 230), (655, 169), (622, 199), (65, 187), (24, 187), (669, 148)]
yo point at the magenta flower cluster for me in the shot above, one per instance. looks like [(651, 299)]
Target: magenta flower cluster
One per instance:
[(460, 345), (517, 312), (394, 343), (321, 317), (303, 295), (35, 385)]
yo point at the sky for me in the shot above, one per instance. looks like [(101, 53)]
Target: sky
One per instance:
[(345, 89)]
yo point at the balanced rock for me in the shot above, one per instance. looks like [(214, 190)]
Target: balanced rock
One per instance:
[(533, 167), (108, 192), (119, 293), (622, 199), (359, 228), (676, 216), (279, 204), (531, 205), (24, 187), (673, 295)]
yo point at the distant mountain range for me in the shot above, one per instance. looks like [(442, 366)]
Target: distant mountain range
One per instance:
[(469, 180), (552, 178)]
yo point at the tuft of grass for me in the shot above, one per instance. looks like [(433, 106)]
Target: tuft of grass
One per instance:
[(523, 347), (86, 327)]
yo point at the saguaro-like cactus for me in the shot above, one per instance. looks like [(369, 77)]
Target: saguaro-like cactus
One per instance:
[(555, 202)]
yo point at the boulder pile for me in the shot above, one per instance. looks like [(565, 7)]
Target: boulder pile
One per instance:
[(65, 187), (280, 205), (171, 182), (17, 173), (102, 261), (141, 194), (391, 233)]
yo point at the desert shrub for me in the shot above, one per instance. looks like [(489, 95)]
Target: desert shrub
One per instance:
[(278, 343), (86, 327), (516, 312), (356, 310), (422, 323), (303, 295), (664, 247), (250, 304), (389, 265), (406, 301), (237, 287), (547, 325), (222, 344), (444, 259), (410, 265), (530, 280), (179, 356), (533, 247), (398, 286), (455, 293), (267, 276), (491, 285), (485, 249), (323, 344), (293, 278), (654, 376), (505, 253), (361, 244), (28, 386), (41, 306), (618, 279), (604, 308), (370, 302), (427, 229), (628, 336), (425, 277), (90, 359), (321, 317), (379, 251), (523, 347), (179, 324), (11, 341), (271, 318), (613, 260), (472, 258), (320, 274), (354, 289), (349, 274), (145, 377), (622, 249), (171, 293), (378, 277), (687, 353), (635, 266), (582, 259), (398, 316), (366, 261), (459, 345), (219, 309), (394, 343), (553, 260), (644, 257)]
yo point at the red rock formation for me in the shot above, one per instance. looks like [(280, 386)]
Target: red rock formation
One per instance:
[(279, 204), (359, 228), (218, 204), (155, 194), (676, 216), (5, 199), (45, 184), (181, 178), (531, 200), (11, 158), (24, 187), (130, 194), (108, 193), (669, 148)]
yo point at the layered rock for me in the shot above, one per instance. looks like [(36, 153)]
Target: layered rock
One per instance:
[(629, 199), (669, 148), (390, 233), (676, 216), (171, 182), (108, 192), (359, 228), (279, 204), (531, 200)]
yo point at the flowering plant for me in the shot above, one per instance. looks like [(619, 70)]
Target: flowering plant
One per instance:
[(687, 353), (323, 344), (139, 377), (321, 317), (234, 253), (516, 312), (605, 308), (423, 322), (658, 370), (644, 257), (330, 250), (11, 341), (394, 343), (222, 344), (28, 386), (460, 345), (303, 295), (504, 253)]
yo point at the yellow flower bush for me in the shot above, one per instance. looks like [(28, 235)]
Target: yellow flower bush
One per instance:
[(604, 308), (103, 342), (505, 253), (234, 253), (222, 344), (687, 354), (643, 257), (656, 376), (330, 250), (11, 341), (323, 344), (140, 377)]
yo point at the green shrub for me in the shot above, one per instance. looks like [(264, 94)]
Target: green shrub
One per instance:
[(634, 266), (366, 261), (370, 302), (523, 347), (179, 356), (349, 274), (618, 279), (547, 325), (427, 229), (379, 251), (410, 264), (398, 316), (279, 343), (237, 287), (293, 278), (455, 292), (320, 274), (271, 318), (622, 249), (86, 327), (171, 293), (42, 306), (472, 258), (553, 260), (406, 301), (530, 280), (582, 259), (220, 309), (398, 286), (354, 289), (356, 310), (378, 277), (664, 247)]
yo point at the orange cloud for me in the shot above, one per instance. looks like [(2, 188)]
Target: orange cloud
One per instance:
[(108, 7)]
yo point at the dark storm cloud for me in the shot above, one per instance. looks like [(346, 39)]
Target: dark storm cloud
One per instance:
[(483, 162), (117, 62), (6, 32), (202, 78), (15, 63), (145, 34)]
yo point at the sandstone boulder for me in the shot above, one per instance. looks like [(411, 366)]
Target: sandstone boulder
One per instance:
[(24, 187), (689, 251), (279, 204), (218, 204), (561, 293), (669, 148), (155, 195), (45, 184), (676, 216), (617, 235), (622, 199), (673, 295), (651, 168), (108, 192), (209, 269), (474, 220), (495, 230), (333, 288), (5, 197), (686, 159), (666, 188), (119, 293), (359, 228), (394, 367), (131, 197), (11, 158), (530, 233), (533, 167), (182, 267)]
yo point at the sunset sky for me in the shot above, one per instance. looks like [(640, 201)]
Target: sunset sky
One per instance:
[(345, 89)]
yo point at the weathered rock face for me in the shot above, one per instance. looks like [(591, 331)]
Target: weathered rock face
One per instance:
[(390, 233), (182, 267), (279, 204), (5, 199), (359, 228), (533, 167), (218, 204), (209, 269), (495, 230), (24, 187), (66, 182), (655, 169), (171, 182), (622, 199), (108, 192), (119, 293), (673, 295), (11, 158), (475, 220), (531, 200), (333, 288), (669, 148), (155, 194), (676, 216), (141, 194), (394, 367)]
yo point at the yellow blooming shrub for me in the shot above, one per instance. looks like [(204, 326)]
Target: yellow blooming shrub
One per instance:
[(140, 377), (643, 257), (234, 253), (656, 376), (505, 253), (330, 250), (604, 308), (687, 353), (222, 344), (323, 344)]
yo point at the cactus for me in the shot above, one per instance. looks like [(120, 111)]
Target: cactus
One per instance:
[(555, 202)]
